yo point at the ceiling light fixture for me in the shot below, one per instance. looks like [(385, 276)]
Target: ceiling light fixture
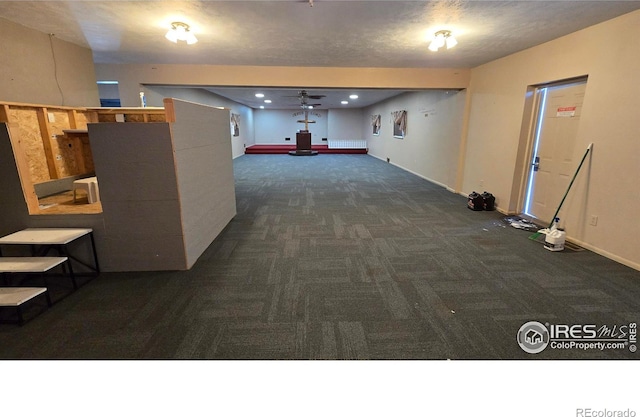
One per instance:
[(259, 95), (268, 101), (442, 38), (344, 102), (180, 32), (353, 96)]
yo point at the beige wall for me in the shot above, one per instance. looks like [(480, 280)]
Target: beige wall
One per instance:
[(431, 145), (610, 120), (131, 76), (28, 70)]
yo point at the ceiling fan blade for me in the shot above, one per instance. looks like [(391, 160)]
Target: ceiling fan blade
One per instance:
[(316, 96)]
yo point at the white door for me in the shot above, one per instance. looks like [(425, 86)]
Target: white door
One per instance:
[(553, 163)]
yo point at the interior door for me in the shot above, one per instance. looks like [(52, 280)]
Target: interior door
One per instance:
[(553, 163)]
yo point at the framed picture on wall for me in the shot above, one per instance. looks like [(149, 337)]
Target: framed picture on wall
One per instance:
[(375, 122), (399, 123), (235, 124)]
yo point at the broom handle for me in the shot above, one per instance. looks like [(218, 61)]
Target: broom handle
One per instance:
[(570, 184)]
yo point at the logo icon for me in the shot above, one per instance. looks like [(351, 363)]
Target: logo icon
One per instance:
[(533, 337)]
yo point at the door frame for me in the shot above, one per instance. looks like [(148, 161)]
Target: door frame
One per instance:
[(528, 131)]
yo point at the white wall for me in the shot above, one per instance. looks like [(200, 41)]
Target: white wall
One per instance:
[(155, 95), (345, 124), (431, 144), (273, 126), (204, 174), (608, 185), (29, 73)]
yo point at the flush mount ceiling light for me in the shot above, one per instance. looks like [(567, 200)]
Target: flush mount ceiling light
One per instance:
[(180, 32), (442, 38)]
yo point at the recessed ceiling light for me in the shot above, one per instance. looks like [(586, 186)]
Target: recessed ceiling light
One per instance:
[(267, 101), (353, 96), (259, 95), (344, 102), (262, 107)]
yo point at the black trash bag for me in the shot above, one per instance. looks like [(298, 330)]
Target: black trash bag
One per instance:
[(489, 201), (475, 202)]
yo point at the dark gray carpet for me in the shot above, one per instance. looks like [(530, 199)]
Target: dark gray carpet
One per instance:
[(340, 257)]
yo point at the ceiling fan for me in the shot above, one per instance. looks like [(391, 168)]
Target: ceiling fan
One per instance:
[(304, 98)]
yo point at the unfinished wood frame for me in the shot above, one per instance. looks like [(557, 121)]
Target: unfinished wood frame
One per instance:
[(52, 142)]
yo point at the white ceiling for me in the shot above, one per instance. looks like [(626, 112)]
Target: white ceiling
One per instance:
[(332, 33)]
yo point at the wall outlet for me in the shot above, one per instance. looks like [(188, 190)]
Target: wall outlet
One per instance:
[(593, 221), (51, 117)]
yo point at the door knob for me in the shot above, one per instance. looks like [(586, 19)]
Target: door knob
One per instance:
[(536, 163)]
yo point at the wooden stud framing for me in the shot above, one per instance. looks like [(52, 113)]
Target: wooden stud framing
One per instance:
[(4, 113), (73, 124), (28, 189), (29, 124), (45, 133)]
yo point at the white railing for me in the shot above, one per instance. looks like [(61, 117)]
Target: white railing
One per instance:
[(347, 144)]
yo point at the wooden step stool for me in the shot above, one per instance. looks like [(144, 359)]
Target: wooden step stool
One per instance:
[(90, 185)]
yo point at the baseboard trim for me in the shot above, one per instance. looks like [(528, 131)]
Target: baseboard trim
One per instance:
[(606, 254)]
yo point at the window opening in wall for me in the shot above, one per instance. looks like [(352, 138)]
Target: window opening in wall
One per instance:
[(109, 93)]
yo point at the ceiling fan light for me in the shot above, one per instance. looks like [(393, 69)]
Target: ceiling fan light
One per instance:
[(180, 32), (172, 35), (437, 42), (451, 42), (191, 38)]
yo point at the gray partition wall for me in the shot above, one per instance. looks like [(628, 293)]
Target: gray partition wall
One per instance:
[(167, 189)]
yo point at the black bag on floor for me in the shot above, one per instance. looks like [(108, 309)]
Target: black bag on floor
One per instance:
[(489, 201), (475, 202)]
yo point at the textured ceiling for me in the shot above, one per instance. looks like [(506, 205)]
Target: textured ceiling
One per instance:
[(292, 33)]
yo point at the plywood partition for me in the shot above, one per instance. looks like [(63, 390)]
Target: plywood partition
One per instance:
[(54, 144), (40, 129), (166, 188)]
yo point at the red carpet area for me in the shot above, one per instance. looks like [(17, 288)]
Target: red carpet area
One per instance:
[(279, 149)]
